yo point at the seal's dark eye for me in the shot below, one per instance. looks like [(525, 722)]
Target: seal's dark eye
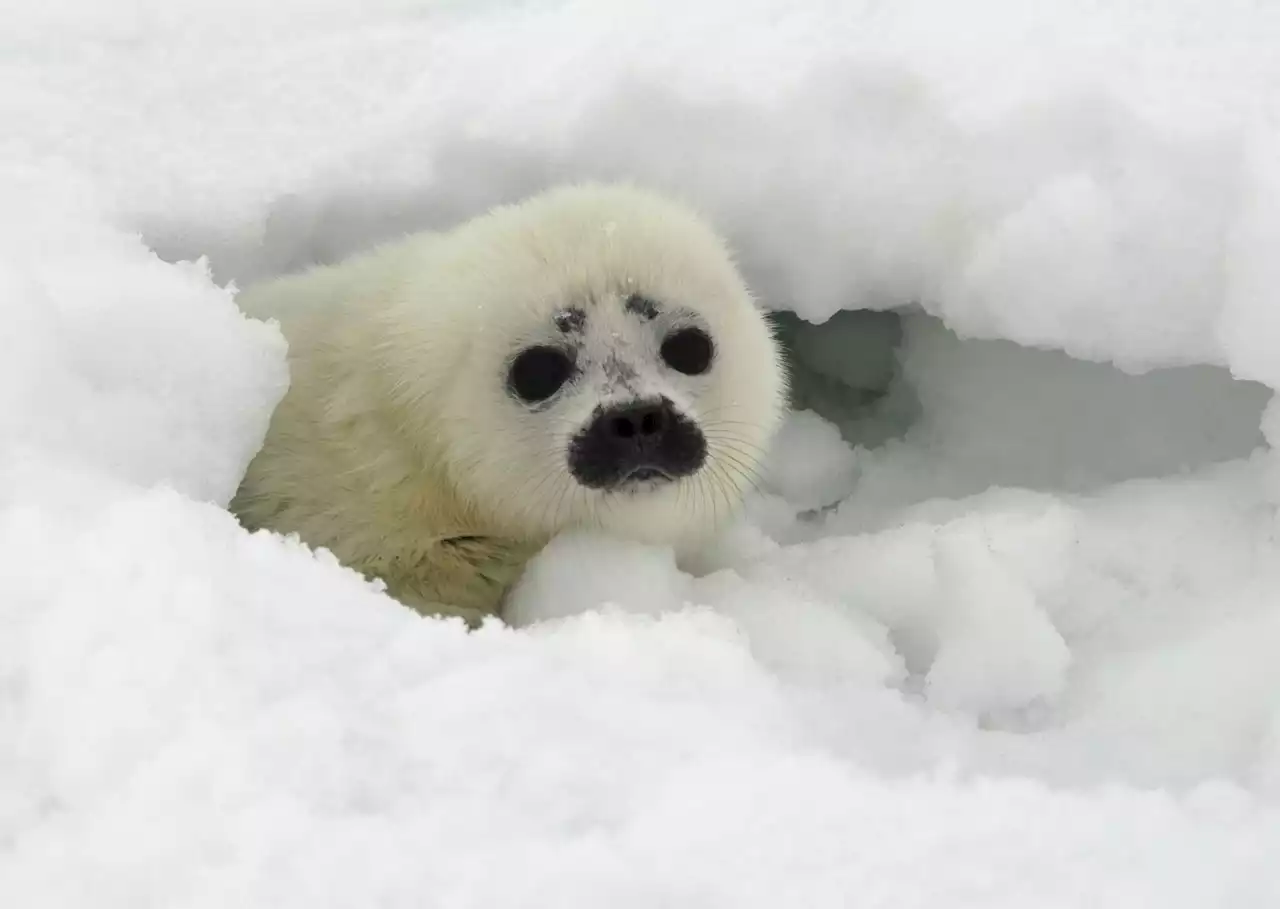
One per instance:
[(538, 372), (688, 350)]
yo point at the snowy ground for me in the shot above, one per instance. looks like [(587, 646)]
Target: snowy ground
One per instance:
[(1017, 648)]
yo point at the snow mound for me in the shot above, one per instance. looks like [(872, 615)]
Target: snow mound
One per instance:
[(997, 630)]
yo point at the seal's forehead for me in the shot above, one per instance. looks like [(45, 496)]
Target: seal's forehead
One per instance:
[(574, 318)]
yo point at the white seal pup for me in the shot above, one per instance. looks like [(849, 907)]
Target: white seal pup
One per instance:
[(589, 358)]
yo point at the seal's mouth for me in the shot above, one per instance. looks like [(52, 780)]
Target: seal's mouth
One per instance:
[(644, 478)]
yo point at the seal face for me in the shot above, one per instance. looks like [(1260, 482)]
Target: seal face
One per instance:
[(627, 366), (589, 358), (636, 442)]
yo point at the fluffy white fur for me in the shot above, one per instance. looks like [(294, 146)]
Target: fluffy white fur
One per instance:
[(399, 446)]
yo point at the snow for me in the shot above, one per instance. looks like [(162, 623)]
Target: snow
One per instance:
[(997, 630)]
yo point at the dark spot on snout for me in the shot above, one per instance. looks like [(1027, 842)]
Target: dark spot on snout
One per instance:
[(642, 306), (571, 320), (619, 372)]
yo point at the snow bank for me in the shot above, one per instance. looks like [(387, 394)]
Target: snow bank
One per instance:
[(1013, 648)]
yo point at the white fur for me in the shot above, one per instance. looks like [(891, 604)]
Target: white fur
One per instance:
[(399, 432)]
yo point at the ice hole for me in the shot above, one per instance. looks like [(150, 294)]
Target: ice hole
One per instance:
[(930, 414)]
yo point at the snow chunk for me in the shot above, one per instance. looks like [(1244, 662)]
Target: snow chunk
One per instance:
[(810, 465), (127, 365)]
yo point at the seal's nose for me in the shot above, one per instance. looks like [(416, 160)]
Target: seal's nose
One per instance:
[(641, 424), (638, 440)]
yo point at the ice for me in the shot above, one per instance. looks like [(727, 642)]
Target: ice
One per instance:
[(998, 628)]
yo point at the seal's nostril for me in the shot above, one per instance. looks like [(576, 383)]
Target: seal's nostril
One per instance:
[(638, 421), (624, 427)]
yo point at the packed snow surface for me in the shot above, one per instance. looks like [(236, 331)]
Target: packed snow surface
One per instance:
[(998, 630)]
